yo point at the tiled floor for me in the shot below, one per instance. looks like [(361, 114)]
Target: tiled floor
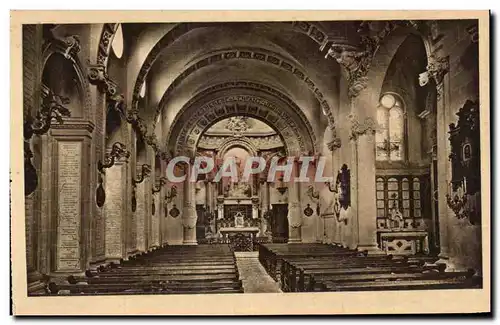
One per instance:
[(254, 277)]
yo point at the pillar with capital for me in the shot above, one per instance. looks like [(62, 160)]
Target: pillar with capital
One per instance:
[(294, 210), (189, 216)]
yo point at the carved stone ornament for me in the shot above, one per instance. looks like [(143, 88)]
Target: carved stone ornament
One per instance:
[(97, 76), (118, 151), (190, 220), (174, 212), (335, 142), (69, 45), (295, 219), (437, 67), (52, 108), (358, 128)]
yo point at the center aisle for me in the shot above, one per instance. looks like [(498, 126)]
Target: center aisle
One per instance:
[(254, 277)]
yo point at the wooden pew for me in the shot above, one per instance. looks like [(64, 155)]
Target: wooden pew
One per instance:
[(210, 269)]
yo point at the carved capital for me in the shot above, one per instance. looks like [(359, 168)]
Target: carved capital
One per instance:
[(438, 67), (69, 45), (366, 127), (355, 63), (139, 125), (97, 76), (334, 144)]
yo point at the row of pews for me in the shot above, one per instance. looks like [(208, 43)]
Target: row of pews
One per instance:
[(170, 270), (322, 267)]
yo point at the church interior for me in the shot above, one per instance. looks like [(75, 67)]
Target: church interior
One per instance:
[(391, 107)]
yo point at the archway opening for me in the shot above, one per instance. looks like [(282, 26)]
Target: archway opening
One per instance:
[(240, 200)]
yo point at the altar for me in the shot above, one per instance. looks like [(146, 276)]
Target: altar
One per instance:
[(240, 239)]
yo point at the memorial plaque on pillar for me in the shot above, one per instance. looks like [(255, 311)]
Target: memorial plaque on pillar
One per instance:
[(29, 230), (114, 211), (69, 206), (140, 218)]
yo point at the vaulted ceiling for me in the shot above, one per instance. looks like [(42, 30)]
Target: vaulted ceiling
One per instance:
[(279, 56)]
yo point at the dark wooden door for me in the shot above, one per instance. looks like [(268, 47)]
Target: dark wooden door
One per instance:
[(279, 223), (200, 223)]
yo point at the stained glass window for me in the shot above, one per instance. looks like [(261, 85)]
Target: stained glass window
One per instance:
[(390, 136)]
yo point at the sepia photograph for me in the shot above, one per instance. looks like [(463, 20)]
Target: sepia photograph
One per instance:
[(250, 163)]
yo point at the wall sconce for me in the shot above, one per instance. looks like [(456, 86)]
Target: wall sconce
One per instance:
[(118, 151), (171, 194), (162, 182), (52, 107), (281, 186), (145, 171)]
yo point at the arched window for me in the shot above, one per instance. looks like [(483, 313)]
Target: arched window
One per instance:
[(117, 44), (390, 139), (143, 90)]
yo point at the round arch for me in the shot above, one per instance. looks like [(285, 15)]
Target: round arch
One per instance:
[(383, 58), (236, 142), (181, 29), (196, 117)]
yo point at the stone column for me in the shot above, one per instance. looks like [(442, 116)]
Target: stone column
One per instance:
[(264, 194), (294, 210), (140, 217), (443, 165), (115, 210), (189, 216), (363, 136)]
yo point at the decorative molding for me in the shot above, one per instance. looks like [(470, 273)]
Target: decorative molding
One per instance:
[(367, 126), (313, 30), (107, 35), (196, 119), (261, 143), (258, 54)]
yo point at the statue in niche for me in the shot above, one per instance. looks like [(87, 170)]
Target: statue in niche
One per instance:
[(239, 220), (396, 220), (237, 188)]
